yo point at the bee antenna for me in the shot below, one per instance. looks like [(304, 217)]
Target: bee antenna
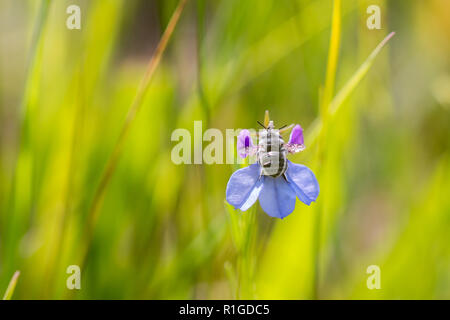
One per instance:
[(282, 127), (261, 124)]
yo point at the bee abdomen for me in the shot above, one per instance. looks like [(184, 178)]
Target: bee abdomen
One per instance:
[(272, 155)]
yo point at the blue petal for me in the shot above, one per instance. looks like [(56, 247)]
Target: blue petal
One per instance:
[(303, 181), (277, 198), (244, 187)]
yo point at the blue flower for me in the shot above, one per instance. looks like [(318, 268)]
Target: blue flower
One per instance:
[(276, 196)]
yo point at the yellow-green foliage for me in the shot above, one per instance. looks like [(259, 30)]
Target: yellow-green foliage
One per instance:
[(376, 134)]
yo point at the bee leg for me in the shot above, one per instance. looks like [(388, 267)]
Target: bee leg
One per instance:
[(285, 178)]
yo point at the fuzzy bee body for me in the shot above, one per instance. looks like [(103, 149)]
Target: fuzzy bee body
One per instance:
[(272, 154)]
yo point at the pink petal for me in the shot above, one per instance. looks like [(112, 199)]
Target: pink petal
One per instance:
[(244, 143), (296, 135)]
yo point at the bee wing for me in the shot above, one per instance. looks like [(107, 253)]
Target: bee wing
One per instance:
[(253, 150), (294, 148), (250, 151)]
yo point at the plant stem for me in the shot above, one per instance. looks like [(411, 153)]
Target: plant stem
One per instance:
[(245, 262)]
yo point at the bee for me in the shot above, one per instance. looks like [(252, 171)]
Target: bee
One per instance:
[(271, 151), (271, 154)]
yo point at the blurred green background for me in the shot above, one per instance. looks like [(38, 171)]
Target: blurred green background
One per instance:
[(163, 230)]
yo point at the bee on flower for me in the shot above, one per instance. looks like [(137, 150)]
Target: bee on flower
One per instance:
[(273, 179)]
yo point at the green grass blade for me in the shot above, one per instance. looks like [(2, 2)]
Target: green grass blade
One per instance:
[(325, 98), (22, 189), (314, 130), (333, 53), (130, 117), (11, 286), (348, 88), (34, 59)]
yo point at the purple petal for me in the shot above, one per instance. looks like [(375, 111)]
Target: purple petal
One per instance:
[(303, 181), (244, 187), (296, 135), (277, 198), (244, 143)]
